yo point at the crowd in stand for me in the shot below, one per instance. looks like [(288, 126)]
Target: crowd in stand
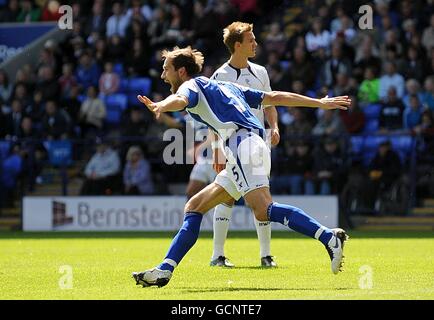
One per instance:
[(312, 47)]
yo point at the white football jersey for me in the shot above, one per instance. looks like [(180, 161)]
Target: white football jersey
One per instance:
[(254, 76)]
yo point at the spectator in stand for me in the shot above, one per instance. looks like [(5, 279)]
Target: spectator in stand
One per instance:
[(369, 90), (92, 114), (414, 65), (366, 57), (413, 114), (55, 123), (391, 114), (117, 23), (13, 120), (36, 108), (47, 59), (28, 12), (51, 11), (134, 127), (20, 93), (204, 33), (87, 72), (48, 84), (101, 52), (11, 12), (72, 105), (330, 166), (336, 64), (425, 156), (318, 37), (135, 32), (301, 68), (384, 170), (428, 35), (412, 87), (67, 80), (5, 86), (295, 171), (116, 49), (109, 81), (3, 130), (137, 176), (342, 86), (102, 171), (96, 21), (137, 60), (275, 39), (353, 118), (32, 151), (389, 79), (428, 94), (11, 172), (329, 124), (299, 128)]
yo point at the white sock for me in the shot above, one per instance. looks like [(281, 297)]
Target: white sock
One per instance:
[(222, 216), (263, 228)]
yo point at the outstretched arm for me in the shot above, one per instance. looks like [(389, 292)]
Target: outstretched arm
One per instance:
[(172, 103), (289, 99)]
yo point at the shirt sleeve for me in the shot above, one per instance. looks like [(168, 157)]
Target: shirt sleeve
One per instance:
[(190, 91), (253, 97)]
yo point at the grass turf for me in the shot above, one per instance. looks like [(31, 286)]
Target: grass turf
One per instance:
[(400, 265)]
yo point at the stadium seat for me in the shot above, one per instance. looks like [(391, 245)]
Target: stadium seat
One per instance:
[(116, 101), (119, 69), (371, 126), (403, 145), (372, 111), (59, 152), (138, 86), (357, 144), (123, 88), (370, 147), (115, 106), (5, 147)]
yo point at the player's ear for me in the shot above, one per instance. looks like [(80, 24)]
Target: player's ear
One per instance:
[(182, 71)]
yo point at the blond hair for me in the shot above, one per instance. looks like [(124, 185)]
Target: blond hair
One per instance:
[(234, 33), (191, 59)]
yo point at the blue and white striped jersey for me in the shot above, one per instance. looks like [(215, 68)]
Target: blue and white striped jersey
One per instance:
[(223, 106)]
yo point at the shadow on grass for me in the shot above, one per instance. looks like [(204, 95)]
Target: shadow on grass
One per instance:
[(354, 235)]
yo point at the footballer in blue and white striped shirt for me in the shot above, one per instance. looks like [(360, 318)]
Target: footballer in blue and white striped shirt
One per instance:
[(225, 108)]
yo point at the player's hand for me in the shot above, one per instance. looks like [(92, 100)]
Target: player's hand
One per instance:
[(275, 136), (340, 102), (152, 106)]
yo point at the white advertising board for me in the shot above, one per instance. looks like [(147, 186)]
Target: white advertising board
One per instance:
[(149, 213)]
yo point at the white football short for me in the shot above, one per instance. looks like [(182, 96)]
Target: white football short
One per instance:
[(249, 164)]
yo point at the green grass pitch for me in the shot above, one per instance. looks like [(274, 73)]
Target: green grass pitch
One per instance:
[(379, 265)]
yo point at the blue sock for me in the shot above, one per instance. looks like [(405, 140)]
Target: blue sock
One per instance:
[(299, 221), (183, 241)]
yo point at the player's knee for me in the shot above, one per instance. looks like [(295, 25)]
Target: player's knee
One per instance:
[(194, 204), (260, 211), (230, 202)]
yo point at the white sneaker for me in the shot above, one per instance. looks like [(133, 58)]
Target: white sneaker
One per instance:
[(335, 248), (152, 277)]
